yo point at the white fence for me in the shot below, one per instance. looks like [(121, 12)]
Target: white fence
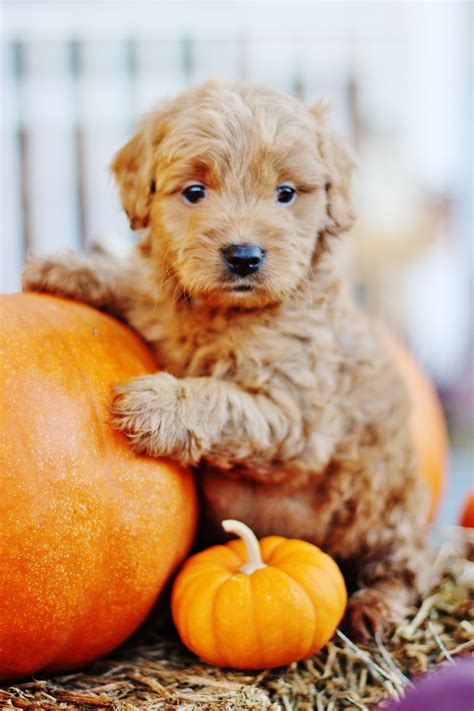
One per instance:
[(68, 105)]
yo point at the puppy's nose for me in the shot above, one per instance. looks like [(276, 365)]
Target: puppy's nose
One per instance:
[(243, 259)]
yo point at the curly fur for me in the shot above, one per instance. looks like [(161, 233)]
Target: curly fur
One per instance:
[(283, 395)]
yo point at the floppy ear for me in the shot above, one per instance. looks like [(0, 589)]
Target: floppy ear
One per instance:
[(339, 165), (132, 168)]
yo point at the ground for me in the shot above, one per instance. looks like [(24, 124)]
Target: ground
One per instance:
[(154, 672)]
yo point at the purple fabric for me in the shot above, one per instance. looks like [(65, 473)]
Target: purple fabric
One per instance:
[(449, 689)]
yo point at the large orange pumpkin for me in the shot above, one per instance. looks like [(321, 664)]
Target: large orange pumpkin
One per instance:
[(89, 532), (257, 605), (427, 423)]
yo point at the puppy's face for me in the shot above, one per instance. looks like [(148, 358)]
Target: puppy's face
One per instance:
[(236, 184)]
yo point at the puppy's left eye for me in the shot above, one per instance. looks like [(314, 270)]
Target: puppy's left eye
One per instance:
[(194, 193), (285, 194)]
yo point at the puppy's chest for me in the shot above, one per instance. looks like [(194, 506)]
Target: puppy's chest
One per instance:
[(259, 355), (185, 343)]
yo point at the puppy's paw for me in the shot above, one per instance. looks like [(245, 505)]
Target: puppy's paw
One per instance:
[(151, 410), (371, 612), (65, 274)]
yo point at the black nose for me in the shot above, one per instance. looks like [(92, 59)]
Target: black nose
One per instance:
[(243, 259)]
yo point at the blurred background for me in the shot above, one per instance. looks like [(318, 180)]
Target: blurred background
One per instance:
[(398, 75)]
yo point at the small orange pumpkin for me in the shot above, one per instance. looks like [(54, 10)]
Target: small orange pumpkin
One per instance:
[(467, 515), (252, 605)]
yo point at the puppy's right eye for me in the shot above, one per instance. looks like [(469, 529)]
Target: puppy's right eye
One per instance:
[(194, 193)]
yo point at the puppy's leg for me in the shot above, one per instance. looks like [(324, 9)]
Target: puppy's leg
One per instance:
[(389, 583), (92, 279), (191, 418)]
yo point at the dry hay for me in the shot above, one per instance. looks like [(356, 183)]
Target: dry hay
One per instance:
[(155, 672)]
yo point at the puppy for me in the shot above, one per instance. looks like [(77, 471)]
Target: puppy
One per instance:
[(274, 384)]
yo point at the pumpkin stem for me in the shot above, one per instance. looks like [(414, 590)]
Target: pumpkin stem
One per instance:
[(254, 557)]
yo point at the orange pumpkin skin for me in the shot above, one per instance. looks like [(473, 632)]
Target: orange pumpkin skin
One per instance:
[(427, 423), (89, 532), (467, 515), (274, 616)]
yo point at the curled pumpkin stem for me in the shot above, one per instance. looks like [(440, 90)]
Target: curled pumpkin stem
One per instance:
[(254, 556)]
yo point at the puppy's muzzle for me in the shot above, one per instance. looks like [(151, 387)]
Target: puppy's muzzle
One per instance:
[(243, 259)]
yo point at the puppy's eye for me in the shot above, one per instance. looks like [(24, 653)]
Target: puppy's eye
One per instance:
[(194, 193), (285, 194)]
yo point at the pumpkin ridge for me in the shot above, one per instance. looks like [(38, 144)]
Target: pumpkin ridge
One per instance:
[(220, 548), (204, 568), (308, 598), (236, 545), (186, 619), (191, 577), (282, 542), (213, 625), (313, 604), (336, 587), (333, 572), (258, 636), (316, 558), (296, 547), (276, 540)]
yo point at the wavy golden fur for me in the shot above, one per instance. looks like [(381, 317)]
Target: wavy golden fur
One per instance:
[(275, 385)]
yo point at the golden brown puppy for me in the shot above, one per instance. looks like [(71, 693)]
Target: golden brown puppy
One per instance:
[(274, 384)]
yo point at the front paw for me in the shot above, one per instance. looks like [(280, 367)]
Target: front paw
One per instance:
[(65, 274), (154, 413)]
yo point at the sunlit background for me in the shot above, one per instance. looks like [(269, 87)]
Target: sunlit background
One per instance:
[(398, 75)]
